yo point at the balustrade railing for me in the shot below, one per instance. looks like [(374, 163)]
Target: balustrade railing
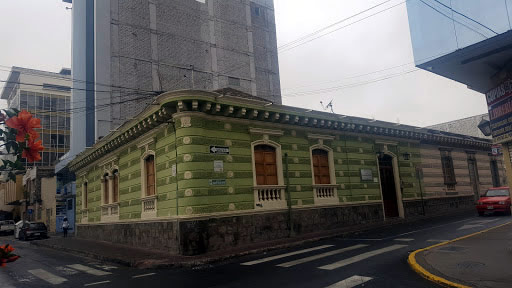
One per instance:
[(269, 197), (326, 193)]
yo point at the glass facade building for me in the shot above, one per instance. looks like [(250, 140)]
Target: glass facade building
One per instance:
[(48, 99)]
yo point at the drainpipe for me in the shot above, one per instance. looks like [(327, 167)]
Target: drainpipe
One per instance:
[(418, 175), (288, 195), (178, 233)]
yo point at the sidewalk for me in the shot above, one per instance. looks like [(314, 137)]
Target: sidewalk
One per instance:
[(144, 258), (482, 259)]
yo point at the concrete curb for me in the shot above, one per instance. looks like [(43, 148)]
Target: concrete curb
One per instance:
[(436, 279), (198, 261)]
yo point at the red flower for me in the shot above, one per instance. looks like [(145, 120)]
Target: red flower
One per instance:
[(24, 124), (31, 152)]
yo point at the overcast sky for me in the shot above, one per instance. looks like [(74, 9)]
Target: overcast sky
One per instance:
[(37, 34)]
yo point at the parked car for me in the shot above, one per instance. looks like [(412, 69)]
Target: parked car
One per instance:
[(495, 200), (6, 227), (33, 230)]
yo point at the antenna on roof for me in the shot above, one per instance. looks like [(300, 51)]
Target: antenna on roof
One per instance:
[(328, 106)]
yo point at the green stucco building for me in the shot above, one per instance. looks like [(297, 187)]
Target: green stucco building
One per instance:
[(202, 171)]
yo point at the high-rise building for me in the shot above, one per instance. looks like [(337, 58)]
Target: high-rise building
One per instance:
[(47, 96), (125, 52)]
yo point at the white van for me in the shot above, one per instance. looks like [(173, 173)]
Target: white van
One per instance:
[(6, 227)]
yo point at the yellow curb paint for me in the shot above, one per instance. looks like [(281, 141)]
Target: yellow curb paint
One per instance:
[(429, 276)]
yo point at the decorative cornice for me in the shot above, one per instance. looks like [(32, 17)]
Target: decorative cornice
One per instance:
[(209, 103)]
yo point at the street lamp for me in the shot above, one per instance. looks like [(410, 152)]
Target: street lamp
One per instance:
[(485, 127)]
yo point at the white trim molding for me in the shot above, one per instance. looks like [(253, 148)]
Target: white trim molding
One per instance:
[(146, 142), (266, 131), (324, 193), (143, 172), (269, 196), (396, 175), (320, 136)]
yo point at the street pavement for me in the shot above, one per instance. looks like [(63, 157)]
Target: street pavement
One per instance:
[(377, 258), (475, 261)]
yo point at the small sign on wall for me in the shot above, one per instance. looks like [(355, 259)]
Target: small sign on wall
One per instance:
[(366, 175), (218, 166), (217, 182), (222, 150), (173, 170)]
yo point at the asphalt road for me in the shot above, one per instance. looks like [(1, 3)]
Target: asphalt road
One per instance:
[(372, 259)]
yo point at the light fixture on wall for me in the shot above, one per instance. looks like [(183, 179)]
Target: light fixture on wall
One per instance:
[(485, 127), (407, 156)]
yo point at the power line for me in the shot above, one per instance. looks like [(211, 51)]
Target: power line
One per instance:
[(331, 25), (467, 17), (337, 29), (451, 18), (341, 87)]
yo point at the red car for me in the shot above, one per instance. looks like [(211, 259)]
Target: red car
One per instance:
[(494, 200)]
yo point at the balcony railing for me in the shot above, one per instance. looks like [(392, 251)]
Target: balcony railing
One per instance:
[(269, 197), (110, 212), (149, 207), (326, 193)]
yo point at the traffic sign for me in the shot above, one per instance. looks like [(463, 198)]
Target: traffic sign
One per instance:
[(224, 150)]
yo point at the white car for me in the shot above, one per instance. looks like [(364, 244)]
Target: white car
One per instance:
[(6, 227), (17, 228)]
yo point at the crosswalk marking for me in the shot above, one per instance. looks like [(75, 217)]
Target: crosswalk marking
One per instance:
[(97, 283), (285, 255), (143, 275), (435, 240), (360, 257), (404, 239), (89, 270), (350, 282), (47, 276), (326, 254)]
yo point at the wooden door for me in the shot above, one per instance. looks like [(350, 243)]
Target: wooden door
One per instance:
[(321, 166), (150, 175), (387, 180), (265, 164)]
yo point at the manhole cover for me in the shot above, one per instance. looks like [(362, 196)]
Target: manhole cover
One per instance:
[(452, 248), (470, 265)]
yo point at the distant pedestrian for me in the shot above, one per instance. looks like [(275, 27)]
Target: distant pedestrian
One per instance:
[(65, 226)]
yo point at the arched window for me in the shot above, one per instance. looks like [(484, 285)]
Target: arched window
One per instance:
[(115, 186), (265, 164), (84, 196), (321, 166), (105, 188), (149, 165)]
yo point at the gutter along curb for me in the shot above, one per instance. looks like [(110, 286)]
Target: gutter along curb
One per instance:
[(436, 279)]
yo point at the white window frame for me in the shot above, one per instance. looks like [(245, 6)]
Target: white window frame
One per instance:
[(144, 197), (331, 187), (279, 188)]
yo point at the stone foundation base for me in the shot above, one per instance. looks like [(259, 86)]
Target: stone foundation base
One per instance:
[(438, 206), (203, 235)]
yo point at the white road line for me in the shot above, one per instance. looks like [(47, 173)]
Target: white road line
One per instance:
[(351, 282), (404, 239), (360, 257), (97, 283), (435, 240), (143, 275), (428, 228), (89, 270), (285, 255), (326, 254), (47, 276)]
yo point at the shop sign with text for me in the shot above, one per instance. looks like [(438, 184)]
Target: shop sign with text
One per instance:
[(499, 103)]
